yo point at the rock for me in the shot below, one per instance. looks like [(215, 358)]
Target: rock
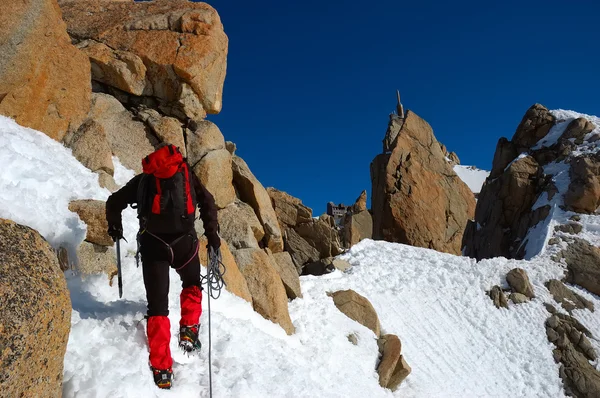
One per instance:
[(575, 217), (44, 80), (107, 181), (341, 265), (35, 314), (454, 160), (518, 281), (233, 278), (289, 210), (264, 283), (95, 259), (570, 228), (205, 138), (578, 129), (63, 258), (357, 308), (583, 195), (300, 250), (252, 192), (400, 374), (357, 227), (498, 297), (391, 134), (329, 220), (240, 226), (320, 267), (361, 203), (505, 153), (214, 172), (574, 351), (535, 125), (231, 147), (320, 235), (504, 216), (417, 197), (120, 69), (352, 338), (566, 297), (287, 271), (90, 146), (583, 264), (390, 347), (93, 214), (128, 139), (167, 129), (553, 241), (182, 45), (518, 298)]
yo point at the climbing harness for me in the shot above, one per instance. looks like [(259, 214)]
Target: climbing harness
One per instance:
[(213, 280)]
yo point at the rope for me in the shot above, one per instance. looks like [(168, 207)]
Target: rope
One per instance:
[(214, 282)]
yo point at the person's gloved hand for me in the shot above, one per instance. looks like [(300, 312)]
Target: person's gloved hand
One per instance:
[(214, 241), (115, 231)]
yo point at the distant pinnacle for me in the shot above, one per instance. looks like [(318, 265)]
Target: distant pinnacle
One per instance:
[(399, 107)]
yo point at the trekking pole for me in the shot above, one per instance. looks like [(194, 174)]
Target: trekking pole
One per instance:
[(119, 268)]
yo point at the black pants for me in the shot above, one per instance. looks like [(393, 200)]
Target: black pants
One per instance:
[(156, 262)]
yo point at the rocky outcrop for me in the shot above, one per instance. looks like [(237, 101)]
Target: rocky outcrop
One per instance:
[(93, 214), (518, 280), (35, 314), (534, 126), (392, 368), (357, 227), (320, 235), (357, 308), (252, 192), (504, 212), (44, 80), (166, 129), (289, 210), (264, 283), (240, 226), (300, 250), (287, 271), (498, 297), (318, 268), (573, 351), (578, 129), (215, 173), (202, 139), (90, 146), (566, 297), (417, 197), (233, 278), (360, 204), (583, 195), (181, 45), (583, 265), (128, 138), (94, 259)]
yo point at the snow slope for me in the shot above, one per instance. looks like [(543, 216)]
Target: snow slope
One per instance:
[(457, 343), (472, 176)]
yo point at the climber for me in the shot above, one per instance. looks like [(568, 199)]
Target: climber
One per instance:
[(166, 195)]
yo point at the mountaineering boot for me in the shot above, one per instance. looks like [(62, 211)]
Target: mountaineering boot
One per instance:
[(188, 338), (163, 378)]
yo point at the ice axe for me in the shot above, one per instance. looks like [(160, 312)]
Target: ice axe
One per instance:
[(119, 268)]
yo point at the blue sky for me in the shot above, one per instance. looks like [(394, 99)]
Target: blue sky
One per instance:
[(310, 84)]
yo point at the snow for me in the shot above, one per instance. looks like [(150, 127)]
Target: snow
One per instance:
[(455, 340), (472, 176)]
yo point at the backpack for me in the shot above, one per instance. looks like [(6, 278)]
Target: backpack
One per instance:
[(165, 198)]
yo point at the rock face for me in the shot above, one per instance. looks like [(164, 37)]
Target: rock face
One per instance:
[(167, 129), (215, 173), (300, 250), (234, 280), (320, 235), (129, 139), (535, 125), (583, 195), (181, 45), (574, 351), (239, 226), (95, 259), (566, 297), (289, 210), (44, 80), (35, 312), (583, 264), (287, 271), (361, 203), (417, 197), (357, 227), (518, 281), (358, 308), (252, 192), (264, 283), (318, 268), (93, 213), (204, 138), (90, 146)]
